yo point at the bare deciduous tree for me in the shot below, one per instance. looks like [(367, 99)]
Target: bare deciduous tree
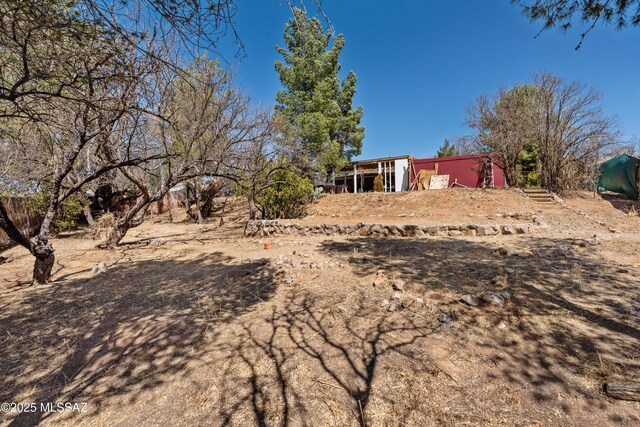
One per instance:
[(53, 155), (572, 130), (84, 58), (208, 123), (566, 120)]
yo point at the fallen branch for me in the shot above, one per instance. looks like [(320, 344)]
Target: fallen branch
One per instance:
[(628, 391)]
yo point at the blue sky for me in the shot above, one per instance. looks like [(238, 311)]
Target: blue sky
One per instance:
[(420, 63)]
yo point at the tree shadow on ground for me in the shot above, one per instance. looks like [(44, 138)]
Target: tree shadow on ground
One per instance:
[(573, 315), (290, 358), (123, 332), (334, 356)]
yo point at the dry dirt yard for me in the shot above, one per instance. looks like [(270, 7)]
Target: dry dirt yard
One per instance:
[(197, 325)]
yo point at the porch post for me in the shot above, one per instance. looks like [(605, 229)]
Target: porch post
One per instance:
[(355, 179)]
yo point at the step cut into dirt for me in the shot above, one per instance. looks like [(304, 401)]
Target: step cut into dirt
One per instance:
[(539, 196)]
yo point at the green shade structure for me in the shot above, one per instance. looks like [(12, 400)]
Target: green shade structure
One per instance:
[(620, 175)]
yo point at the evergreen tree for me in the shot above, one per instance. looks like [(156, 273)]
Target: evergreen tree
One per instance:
[(564, 13), (447, 149), (315, 101)]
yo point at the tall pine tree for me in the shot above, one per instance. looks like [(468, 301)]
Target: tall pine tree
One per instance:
[(314, 101)]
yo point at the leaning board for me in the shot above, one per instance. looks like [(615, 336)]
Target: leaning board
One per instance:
[(439, 182)]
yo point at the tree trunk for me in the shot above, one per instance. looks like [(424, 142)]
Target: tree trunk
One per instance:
[(116, 235), (199, 217), (252, 207), (132, 219), (43, 265), (86, 209), (224, 206), (40, 249)]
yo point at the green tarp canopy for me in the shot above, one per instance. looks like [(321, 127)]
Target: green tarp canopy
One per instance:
[(620, 175)]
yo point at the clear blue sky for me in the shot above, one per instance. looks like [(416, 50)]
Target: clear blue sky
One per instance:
[(420, 63)]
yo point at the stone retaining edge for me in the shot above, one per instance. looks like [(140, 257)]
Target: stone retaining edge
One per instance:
[(263, 228)]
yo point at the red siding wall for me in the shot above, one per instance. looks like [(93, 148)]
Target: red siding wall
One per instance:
[(463, 168)]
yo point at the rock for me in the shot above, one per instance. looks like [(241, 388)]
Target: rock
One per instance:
[(158, 242), (509, 270), (420, 301), (398, 285), (444, 318), (505, 294), (503, 251), (385, 302), (539, 252), (486, 230), (267, 245), (288, 280), (381, 271), (561, 252), (507, 229), (591, 241), (407, 302), (623, 270), (376, 229), (379, 281), (396, 295), (392, 307), (494, 299), (522, 228), (540, 225), (99, 268), (502, 325), (470, 300), (363, 231), (498, 280)]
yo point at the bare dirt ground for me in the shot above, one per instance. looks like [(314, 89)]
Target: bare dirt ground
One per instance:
[(425, 208), (197, 325)]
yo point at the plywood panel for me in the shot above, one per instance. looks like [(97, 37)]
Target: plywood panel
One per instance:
[(439, 182)]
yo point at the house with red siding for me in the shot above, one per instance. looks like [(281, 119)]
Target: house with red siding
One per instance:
[(407, 173), (475, 171)]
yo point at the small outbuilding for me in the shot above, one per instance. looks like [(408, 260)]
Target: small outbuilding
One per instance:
[(474, 171), (406, 173)]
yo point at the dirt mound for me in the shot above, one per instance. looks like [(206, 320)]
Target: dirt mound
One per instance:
[(423, 207)]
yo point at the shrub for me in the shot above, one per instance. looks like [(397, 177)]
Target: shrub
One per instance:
[(66, 217), (286, 197), (378, 185), (532, 180)]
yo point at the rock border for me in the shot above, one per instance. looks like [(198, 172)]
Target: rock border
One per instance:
[(263, 228)]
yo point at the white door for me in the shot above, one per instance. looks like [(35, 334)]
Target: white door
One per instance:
[(402, 174)]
